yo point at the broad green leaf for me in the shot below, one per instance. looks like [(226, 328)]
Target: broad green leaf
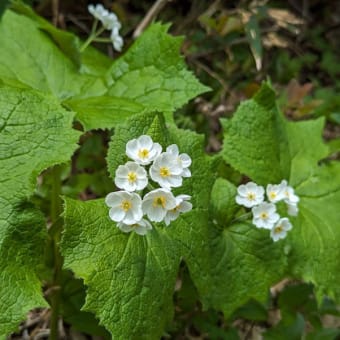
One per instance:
[(234, 265), (3, 6), (29, 56), (131, 279), (35, 133), (103, 112), (153, 73), (255, 140), (315, 242), (66, 41), (292, 153)]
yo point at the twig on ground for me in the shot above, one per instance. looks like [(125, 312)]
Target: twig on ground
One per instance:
[(150, 15)]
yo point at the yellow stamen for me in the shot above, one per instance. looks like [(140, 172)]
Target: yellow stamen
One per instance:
[(143, 153), (272, 195), (164, 171), (132, 177), (278, 229), (251, 196), (264, 215), (126, 205), (159, 201)]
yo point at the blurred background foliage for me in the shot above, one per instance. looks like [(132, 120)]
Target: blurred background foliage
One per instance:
[(231, 46)]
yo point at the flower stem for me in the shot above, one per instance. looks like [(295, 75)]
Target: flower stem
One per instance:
[(56, 209), (93, 35)]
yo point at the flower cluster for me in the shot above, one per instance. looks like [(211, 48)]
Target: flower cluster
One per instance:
[(110, 22), (252, 196), (149, 167)]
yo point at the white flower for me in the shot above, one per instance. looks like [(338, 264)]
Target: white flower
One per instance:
[(111, 22), (156, 203), (276, 192), (125, 206), (117, 40), (292, 209), (143, 150), (264, 215), (141, 227), (250, 194), (289, 194), (166, 171), (182, 205), (131, 177), (183, 159), (108, 19), (98, 11), (280, 229)]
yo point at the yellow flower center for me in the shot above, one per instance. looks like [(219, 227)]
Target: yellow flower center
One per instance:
[(164, 171), (251, 196), (272, 195), (278, 229), (159, 201), (126, 205), (132, 177), (264, 215), (143, 153)]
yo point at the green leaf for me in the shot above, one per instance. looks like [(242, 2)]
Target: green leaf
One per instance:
[(29, 57), (103, 112), (267, 148), (315, 240), (223, 202), (66, 41), (130, 278), (254, 139), (253, 34), (235, 265), (45, 138), (153, 73)]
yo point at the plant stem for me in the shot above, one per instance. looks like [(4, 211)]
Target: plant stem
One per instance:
[(93, 35), (56, 209)]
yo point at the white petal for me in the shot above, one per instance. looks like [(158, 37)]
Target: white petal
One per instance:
[(242, 190), (145, 142), (112, 199), (156, 214), (185, 159), (185, 206), (116, 215), (173, 149), (132, 148)]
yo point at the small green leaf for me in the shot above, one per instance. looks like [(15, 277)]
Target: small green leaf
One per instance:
[(253, 34), (223, 202)]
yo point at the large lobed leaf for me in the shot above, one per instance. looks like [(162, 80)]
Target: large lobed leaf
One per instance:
[(150, 76), (288, 150), (30, 58), (130, 278), (35, 133)]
